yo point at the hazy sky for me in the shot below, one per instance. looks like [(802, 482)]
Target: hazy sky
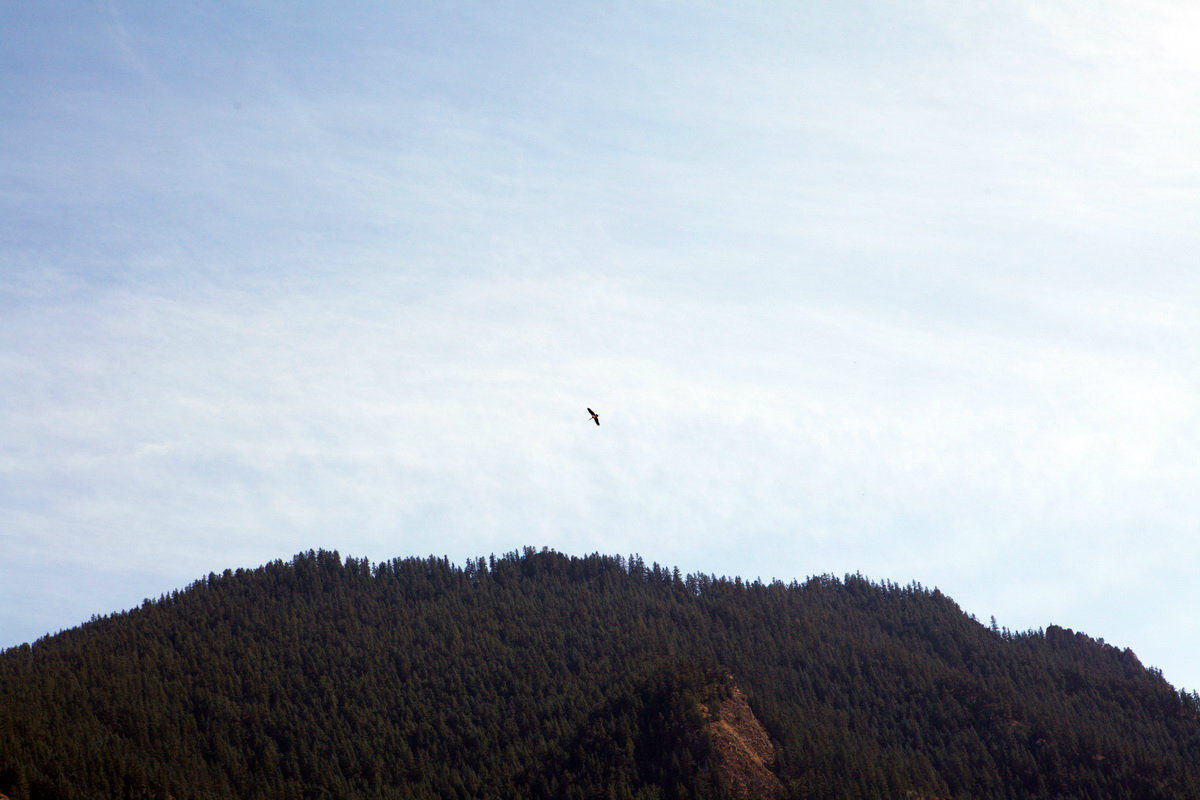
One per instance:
[(906, 288)]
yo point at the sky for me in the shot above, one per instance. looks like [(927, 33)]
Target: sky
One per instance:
[(906, 289)]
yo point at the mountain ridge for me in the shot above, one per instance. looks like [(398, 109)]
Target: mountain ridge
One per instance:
[(542, 675)]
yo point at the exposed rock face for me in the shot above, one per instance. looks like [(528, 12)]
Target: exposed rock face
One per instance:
[(744, 753)]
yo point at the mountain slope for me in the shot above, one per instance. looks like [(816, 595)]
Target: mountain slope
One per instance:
[(539, 675)]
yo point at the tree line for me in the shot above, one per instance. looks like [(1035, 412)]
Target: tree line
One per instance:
[(541, 675)]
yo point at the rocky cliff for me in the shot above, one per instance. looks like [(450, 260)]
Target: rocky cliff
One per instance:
[(744, 753)]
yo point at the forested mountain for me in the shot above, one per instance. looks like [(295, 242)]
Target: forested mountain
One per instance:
[(538, 675)]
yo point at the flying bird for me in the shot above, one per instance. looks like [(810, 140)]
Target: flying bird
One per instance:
[(595, 416)]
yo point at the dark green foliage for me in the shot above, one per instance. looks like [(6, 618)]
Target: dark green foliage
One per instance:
[(539, 676), (648, 735)]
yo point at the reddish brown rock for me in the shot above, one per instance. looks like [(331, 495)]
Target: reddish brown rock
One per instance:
[(744, 753)]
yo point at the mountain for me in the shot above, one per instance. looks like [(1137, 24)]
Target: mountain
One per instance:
[(538, 675)]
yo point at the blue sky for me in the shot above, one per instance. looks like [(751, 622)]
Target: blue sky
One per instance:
[(903, 288)]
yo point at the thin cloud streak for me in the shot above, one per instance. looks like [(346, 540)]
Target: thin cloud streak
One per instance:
[(908, 294)]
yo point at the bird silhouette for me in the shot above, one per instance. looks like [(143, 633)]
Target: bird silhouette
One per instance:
[(595, 416)]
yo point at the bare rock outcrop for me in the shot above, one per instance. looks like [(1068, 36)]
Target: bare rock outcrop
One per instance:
[(744, 753)]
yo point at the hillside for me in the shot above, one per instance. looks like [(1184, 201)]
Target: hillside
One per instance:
[(539, 675)]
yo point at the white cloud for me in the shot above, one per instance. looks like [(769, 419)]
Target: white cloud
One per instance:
[(907, 294)]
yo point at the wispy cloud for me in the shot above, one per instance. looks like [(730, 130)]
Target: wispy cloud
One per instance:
[(908, 294)]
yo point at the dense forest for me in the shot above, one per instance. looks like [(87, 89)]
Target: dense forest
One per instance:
[(538, 675)]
